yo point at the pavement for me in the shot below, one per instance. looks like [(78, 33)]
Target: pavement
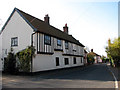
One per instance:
[(93, 76)]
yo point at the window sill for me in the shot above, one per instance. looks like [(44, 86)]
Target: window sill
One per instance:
[(73, 55), (48, 53), (58, 49), (15, 46)]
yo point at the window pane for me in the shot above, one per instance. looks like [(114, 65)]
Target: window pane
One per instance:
[(57, 61), (59, 42), (66, 45), (47, 40), (74, 60), (14, 41), (66, 61)]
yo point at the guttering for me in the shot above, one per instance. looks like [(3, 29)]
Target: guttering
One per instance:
[(31, 53)]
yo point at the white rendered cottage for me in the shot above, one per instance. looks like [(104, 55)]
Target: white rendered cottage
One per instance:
[(54, 48)]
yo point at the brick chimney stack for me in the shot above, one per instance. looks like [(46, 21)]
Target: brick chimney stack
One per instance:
[(65, 28), (46, 19)]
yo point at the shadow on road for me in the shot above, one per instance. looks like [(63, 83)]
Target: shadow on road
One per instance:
[(92, 76), (97, 72)]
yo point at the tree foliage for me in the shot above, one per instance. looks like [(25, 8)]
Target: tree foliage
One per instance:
[(24, 58), (104, 59), (90, 58), (113, 50)]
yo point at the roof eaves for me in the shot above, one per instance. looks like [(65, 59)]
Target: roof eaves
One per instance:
[(77, 41), (26, 20)]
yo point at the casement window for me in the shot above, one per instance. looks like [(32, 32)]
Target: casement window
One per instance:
[(66, 45), (47, 40), (74, 60), (59, 42), (57, 61), (14, 41), (66, 60)]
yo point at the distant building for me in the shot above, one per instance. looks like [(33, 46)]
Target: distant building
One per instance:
[(97, 57)]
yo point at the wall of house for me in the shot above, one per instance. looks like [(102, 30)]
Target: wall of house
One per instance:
[(16, 27), (85, 58), (43, 62), (47, 61), (41, 47)]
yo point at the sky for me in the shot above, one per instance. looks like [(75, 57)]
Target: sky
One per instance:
[(92, 22)]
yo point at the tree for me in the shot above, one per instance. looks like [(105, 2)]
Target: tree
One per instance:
[(113, 50), (103, 59), (90, 57)]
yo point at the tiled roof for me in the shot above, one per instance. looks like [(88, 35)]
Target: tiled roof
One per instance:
[(93, 53), (42, 27)]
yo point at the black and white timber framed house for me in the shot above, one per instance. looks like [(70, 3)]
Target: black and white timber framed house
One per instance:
[(54, 48)]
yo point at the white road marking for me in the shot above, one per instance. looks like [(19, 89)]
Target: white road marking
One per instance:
[(116, 82)]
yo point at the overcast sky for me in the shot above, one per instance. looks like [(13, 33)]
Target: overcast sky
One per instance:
[(92, 23)]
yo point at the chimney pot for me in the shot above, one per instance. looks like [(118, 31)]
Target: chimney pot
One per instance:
[(65, 28), (66, 25)]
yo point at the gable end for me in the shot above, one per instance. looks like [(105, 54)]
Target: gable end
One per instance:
[(15, 9), (26, 20)]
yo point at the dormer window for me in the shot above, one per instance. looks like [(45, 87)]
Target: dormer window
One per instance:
[(47, 40), (58, 42), (66, 45)]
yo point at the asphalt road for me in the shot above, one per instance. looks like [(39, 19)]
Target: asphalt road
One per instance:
[(93, 76)]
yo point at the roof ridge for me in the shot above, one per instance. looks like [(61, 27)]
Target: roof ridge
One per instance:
[(48, 26), (40, 26), (39, 19)]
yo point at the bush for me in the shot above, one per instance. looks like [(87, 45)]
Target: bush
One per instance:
[(24, 58), (10, 63)]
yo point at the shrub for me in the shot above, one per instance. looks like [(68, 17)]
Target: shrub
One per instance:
[(24, 58), (10, 63)]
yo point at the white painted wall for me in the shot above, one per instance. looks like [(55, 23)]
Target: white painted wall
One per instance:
[(48, 62), (16, 27)]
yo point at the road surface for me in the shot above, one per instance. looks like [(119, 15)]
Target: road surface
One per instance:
[(93, 76)]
